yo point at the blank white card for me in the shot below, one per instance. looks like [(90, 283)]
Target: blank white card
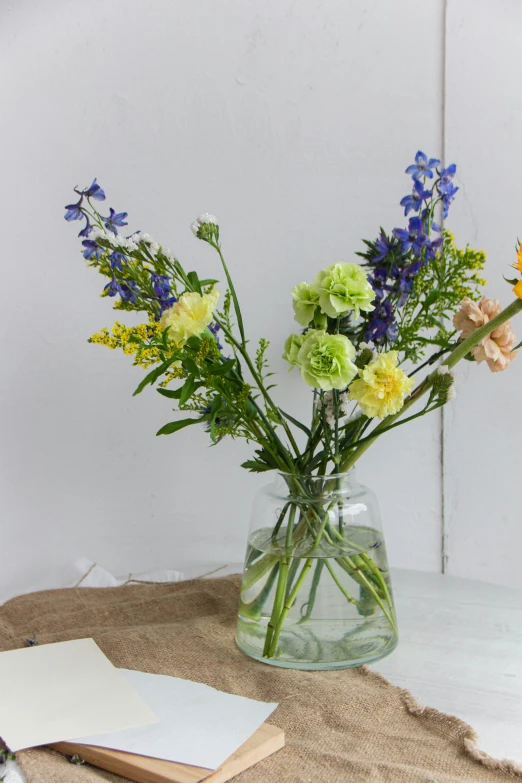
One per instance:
[(198, 725), (56, 692)]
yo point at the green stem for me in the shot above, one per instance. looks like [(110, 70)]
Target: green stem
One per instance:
[(279, 522), (365, 582), (286, 608), (281, 583), (382, 581), (313, 592), (253, 608), (339, 584)]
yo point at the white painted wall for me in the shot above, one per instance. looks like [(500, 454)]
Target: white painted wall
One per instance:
[(293, 122), (483, 429)]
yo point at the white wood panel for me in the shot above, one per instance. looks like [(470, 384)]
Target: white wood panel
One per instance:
[(293, 122), (483, 427)]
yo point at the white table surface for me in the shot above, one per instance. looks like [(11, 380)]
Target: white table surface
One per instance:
[(460, 651)]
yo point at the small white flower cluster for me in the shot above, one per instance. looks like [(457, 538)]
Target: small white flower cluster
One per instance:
[(329, 408), (202, 220), (128, 244), (451, 393)]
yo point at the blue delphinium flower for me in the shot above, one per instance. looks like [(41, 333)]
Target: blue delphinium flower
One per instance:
[(94, 191), (92, 249), (128, 291), (378, 281), (413, 238), (161, 286), (116, 259), (214, 328), (423, 167), (115, 219), (446, 175), (384, 246), (449, 194), (113, 288), (382, 326), (87, 230), (416, 199), (432, 248), (74, 211), (404, 280)]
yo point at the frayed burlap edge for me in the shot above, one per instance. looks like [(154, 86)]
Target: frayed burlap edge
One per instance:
[(466, 733)]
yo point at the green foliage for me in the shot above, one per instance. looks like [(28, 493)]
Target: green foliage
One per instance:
[(262, 362), (438, 289)]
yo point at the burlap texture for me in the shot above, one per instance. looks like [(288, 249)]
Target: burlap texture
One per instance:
[(347, 726)]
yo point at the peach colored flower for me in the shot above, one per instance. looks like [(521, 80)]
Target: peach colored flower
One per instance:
[(496, 348)]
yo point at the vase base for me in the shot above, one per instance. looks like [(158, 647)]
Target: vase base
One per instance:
[(324, 665)]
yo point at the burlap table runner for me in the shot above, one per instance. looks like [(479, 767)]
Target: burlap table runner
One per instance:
[(347, 726)]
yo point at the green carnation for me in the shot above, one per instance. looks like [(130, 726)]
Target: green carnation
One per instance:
[(326, 360), (342, 288), (306, 302), (292, 346)]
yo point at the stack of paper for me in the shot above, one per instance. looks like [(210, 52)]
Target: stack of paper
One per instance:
[(70, 691)]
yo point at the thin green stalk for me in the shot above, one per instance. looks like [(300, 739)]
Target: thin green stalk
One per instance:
[(287, 606), (259, 382), (380, 578), (279, 522), (281, 583), (253, 608), (370, 587), (339, 584), (313, 592)]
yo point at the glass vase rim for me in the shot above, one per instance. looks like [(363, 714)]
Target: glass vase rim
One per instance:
[(318, 476)]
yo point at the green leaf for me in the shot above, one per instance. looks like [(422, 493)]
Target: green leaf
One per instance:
[(194, 342), (297, 423), (221, 369), (517, 346), (315, 461), (266, 457), (255, 466), (173, 394), (208, 282), (188, 389), (194, 281), (435, 322), (174, 426), (431, 298), (191, 366), (513, 281), (154, 375)]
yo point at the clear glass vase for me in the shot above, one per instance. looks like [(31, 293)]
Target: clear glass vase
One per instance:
[(316, 590)]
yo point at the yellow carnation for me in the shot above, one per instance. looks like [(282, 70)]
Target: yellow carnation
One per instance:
[(382, 387), (189, 316)]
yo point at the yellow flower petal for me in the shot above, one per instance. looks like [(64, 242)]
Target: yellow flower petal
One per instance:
[(382, 387), (518, 289)]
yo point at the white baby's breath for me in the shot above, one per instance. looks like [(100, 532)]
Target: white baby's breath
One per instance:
[(203, 220)]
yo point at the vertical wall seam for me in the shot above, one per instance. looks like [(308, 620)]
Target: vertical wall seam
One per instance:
[(443, 519)]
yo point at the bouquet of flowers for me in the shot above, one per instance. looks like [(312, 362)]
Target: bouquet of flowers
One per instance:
[(367, 331)]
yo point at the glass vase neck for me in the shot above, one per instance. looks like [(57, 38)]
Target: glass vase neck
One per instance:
[(316, 484)]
